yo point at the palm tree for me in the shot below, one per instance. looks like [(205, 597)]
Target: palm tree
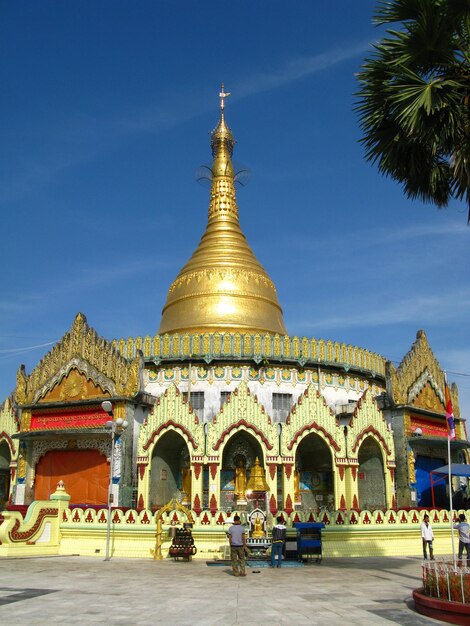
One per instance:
[(414, 98)]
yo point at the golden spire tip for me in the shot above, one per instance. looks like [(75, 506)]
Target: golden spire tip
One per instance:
[(222, 95)]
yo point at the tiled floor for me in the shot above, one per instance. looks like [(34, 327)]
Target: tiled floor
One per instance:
[(73, 590)]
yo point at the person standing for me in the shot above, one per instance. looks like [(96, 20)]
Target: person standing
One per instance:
[(464, 536), (237, 539), (428, 537), (279, 538)]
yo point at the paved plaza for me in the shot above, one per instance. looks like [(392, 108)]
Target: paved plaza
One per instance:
[(73, 590)]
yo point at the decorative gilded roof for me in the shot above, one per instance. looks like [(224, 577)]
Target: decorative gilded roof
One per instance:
[(80, 363), (417, 376), (222, 287)]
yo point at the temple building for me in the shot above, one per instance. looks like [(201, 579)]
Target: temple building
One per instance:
[(225, 410)]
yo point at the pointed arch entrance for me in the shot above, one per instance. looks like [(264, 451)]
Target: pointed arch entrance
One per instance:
[(5, 459), (170, 474), (371, 479), (238, 458), (314, 484)]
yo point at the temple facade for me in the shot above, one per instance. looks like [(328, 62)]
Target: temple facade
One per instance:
[(225, 410)]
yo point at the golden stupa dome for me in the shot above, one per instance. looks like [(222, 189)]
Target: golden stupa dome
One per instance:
[(222, 287)]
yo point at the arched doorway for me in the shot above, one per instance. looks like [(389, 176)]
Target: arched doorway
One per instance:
[(5, 458), (239, 456), (170, 474), (85, 474), (314, 473), (371, 480)]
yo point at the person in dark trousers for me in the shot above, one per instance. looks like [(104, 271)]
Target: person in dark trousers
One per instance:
[(427, 536), (464, 536), (237, 539), (279, 538)]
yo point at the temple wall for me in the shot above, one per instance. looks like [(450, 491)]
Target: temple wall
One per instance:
[(51, 528)]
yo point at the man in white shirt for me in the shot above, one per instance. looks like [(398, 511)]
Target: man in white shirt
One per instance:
[(428, 537)]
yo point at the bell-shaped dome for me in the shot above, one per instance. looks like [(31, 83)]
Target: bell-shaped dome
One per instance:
[(222, 287)]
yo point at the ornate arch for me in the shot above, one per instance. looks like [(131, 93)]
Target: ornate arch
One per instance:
[(171, 413), (241, 412), (367, 421), (311, 415)]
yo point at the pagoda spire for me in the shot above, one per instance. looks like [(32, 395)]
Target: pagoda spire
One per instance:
[(222, 287)]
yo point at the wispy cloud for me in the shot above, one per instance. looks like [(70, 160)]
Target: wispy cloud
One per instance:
[(422, 309), (296, 69)]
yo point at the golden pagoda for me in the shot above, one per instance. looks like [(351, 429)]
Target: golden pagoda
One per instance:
[(222, 287)]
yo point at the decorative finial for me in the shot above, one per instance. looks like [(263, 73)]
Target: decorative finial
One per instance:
[(222, 95)]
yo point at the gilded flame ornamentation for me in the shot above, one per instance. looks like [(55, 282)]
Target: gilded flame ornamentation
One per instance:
[(222, 286)]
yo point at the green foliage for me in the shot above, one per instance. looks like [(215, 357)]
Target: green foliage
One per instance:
[(414, 98)]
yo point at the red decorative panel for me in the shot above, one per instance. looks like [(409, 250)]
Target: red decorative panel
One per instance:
[(355, 503), (141, 470), (296, 518), (289, 508), (392, 473), (339, 520), (140, 503), (379, 518), (76, 517), (205, 520), (130, 519), (326, 519), (391, 519), (57, 419), (197, 504), (366, 519), (102, 518), (394, 504), (213, 504), (354, 471), (311, 517), (213, 469), (273, 504), (341, 472), (272, 470), (26, 535), (429, 427), (88, 517), (220, 520), (353, 518), (197, 470), (342, 503), (116, 519), (403, 518), (445, 518), (288, 470)]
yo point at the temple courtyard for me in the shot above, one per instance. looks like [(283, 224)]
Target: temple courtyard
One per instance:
[(72, 590)]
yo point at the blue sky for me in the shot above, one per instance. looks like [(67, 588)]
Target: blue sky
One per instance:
[(105, 116)]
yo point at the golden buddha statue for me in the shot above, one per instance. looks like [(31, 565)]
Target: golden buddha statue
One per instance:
[(258, 531), (257, 481), (240, 480)]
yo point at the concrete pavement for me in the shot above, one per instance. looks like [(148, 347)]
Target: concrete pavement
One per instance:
[(73, 590)]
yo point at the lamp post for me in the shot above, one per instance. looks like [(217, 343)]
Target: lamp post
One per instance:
[(116, 426)]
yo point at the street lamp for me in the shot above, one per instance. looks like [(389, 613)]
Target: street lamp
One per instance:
[(116, 426)]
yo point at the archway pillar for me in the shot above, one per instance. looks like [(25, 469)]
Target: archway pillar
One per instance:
[(271, 479), (197, 473), (143, 482), (288, 485), (215, 467), (351, 484), (390, 485)]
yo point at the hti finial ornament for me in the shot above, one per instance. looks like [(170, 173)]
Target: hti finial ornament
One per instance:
[(222, 95)]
